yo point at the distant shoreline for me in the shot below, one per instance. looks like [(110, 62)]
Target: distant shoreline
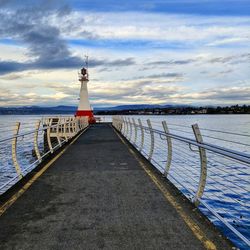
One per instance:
[(130, 110)]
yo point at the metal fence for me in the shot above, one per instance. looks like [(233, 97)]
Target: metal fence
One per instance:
[(22, 147), (211, 167)]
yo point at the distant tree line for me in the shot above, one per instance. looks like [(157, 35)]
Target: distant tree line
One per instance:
[(235, 109)]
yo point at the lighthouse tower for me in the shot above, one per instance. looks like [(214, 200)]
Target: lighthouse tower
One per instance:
[(84, 108)]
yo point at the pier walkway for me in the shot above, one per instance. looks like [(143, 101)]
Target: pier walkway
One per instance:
[(101, 194)]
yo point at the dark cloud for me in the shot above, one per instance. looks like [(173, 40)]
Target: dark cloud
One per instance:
[(228, 71), (45, 45), (3, 2), (105, 69), (232, 94), (166, 75), (234, 59), (221, 59), (11, 66), (43, 4), (172, 75), (172, 62), (122, 62), (115, 63), (87, 35), (204, 72)]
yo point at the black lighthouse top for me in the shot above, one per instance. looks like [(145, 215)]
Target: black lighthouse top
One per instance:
[(84, 76)]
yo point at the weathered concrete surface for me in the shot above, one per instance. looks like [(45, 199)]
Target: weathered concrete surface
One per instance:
[(97, 196)]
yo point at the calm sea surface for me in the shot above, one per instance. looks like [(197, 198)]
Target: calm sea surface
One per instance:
[(227, 190)]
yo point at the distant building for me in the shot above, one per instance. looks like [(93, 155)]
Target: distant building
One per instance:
[(202, 111)]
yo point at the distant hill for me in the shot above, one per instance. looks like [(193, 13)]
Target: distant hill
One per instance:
[(128, 107), (137, 107), (25, 110), (32, 110)]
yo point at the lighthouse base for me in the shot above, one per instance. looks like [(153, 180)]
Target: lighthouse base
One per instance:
[(88, 113)]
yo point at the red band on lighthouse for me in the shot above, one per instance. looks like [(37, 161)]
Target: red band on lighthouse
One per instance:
[(84, 113)]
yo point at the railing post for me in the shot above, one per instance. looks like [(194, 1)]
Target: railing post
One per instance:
[(77, 125), (142, 135), (169, 142), (65, 128), (126, 127), (71, 128), (135, 138), (130, 128), (48, 135), (86, 122), (151, 151), (114, 119), (120, 123), (114, 122), (37, 152), (123, 126), (203, 161), (82, 123), (74, 126), (14, 150), (117, 122), (57, 132)]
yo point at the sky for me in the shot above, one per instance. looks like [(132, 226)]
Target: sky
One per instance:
[(140, 52)]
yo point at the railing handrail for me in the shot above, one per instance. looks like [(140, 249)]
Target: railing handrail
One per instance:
[(243, 157), (44, 128), (211, 130)]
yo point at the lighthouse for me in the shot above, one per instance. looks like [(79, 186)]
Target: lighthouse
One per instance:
[(84, 108)]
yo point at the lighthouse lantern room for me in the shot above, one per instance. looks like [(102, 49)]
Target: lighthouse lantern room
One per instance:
[(84, 108)]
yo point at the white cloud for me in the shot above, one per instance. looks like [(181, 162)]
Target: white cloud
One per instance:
[(231, 40), (210, 74), (159, 27), (13, 52)]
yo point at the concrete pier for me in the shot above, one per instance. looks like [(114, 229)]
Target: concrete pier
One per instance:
[(101, 194)]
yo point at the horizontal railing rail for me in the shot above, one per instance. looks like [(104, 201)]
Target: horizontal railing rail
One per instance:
[(215, 177), (29, 146), (214, 148)]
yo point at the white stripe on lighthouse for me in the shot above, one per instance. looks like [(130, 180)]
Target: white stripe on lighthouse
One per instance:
[(84, 97)]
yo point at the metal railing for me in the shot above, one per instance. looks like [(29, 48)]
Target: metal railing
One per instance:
[(205, 167), (30, 146)]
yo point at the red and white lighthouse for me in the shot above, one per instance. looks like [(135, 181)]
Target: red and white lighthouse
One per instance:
[(84, 108)]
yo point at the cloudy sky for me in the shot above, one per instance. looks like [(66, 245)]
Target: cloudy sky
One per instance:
[(141, 52)]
